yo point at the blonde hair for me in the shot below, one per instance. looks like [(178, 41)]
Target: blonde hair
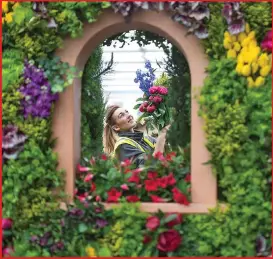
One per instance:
[(109, 135)]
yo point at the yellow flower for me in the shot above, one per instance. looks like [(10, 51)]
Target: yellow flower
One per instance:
[(90, 251), (237, 46), (247, 28), (252, 43), (227, 35), (240, 58), (3, 20), (259, 81), (8, 17), (246, 70), (227, 43), (263, 60), (241, 37), (5, 6), (233, 38), (265, 70), (251, 35), (231, 53), (254, 67), (245, 42), (239, 68), (250, 82), (15, 5)]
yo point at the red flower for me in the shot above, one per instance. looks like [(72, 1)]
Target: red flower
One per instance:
[(150, 185), (126, 163), (82, 168), (170, 156), (151, 175), (113, 195), (134, 178), (188, 178), (93, 187), (179, 197), (178, 220), (159, 156), (104, 157), (142, 108), (171, 179), (88, 177), (163, 90), (7, 251), (147, 239), (169, 240), (98, 198), (153, 89), (155, 198), (132, 198), (152, 223), (163, 182)]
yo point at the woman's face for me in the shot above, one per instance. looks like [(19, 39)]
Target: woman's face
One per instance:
[(123, 120)]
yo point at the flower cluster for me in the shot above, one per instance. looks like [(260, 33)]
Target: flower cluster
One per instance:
[(7, 15), (145, 78), (168, 180), (267, 42), (38, 97), (234, 18), (251, 63), (155, 98), (168, 239), (12, 142), (192, 15)]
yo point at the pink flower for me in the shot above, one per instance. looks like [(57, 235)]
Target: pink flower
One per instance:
[(267, 42), (145, 104), (153, 90), (98, 198), (88, 177), (157, 99), (152, 223), (142, 108), (159, 156), (7, 252), (82, 169), (124, 187), (163, 90), (6, 223), (151, 108)]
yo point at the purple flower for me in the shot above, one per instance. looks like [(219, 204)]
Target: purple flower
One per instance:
[(76, 212), (38, 97), (145, 78), (101, 223), (234, 17), (12, 142)]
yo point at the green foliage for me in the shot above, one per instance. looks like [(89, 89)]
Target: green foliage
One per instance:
[(243, 115), (259, 17), (216, 27), (60, 74), (33, 168), (93, 106), (180, 98), (126, 235), (36, 129), (70, 16), (12, 68)]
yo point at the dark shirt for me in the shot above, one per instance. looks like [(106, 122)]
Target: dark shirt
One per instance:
[(126, 151)]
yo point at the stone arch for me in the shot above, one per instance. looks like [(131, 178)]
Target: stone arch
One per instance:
[(66, 122)]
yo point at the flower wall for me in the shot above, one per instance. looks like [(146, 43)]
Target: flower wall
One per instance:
[(235, 104)]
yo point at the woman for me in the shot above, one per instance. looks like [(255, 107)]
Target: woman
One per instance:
[(121, 140)]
